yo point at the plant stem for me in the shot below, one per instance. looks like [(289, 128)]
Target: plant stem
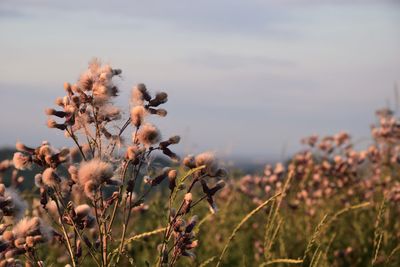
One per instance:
[(76, 229), (71, 133), (65, 234)]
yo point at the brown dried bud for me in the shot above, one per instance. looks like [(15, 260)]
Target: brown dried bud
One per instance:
[(142, 90), (170, 154), (158, 179), (172, 174), (19, 242), (21, 147), (187, 204), (137, 115), (53, 124), (159, 99), (14, 252), (30, 241), (160, 112), (50, 178), (8, 235), (191, 224), (189, 161), (53, 112)]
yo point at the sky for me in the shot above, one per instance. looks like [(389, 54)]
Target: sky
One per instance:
[(247, 79)]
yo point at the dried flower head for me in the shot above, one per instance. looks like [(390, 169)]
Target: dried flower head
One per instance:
[(139, 94), (31, 227), (137, 115), (21, 161), (11, 203), (148, 135), (208, 160), (50, 178), (93, 173)]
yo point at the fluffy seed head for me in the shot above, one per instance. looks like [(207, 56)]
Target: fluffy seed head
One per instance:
[(89, 189), (59, 101), (21, 162), (137, 115), (45, 150), (16, 206), (39, 180), (189, 161), (85, 81), (51, 123), (50, 178), (49, 111), (73, 172), (8, 235), (21, 147), (96, 171), (82, 210), (31, 227), (26, 225), (172, 174), (148, 135), (132, 152), (207, 159), (139, 94)]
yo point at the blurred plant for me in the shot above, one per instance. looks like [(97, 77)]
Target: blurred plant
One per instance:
[(330, 174)]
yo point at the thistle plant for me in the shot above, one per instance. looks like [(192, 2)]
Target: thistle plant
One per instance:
[(120, 195), (88, 193)]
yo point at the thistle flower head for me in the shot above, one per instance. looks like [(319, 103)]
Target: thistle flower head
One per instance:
[(83, 217), (139, 94), (133, 152), (73, 172), (21, 161), (53, 124), (189, 161), (148, 135), (137, 115), (12, 203), (82, 210), (95, 170), (159, 99), (207, 159), (93, 173), (108, 113), (50, 178)]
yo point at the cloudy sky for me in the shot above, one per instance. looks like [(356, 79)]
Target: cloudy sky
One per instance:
[(245, 78)]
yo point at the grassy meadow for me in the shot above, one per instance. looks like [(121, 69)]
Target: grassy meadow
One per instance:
[(113, 201)]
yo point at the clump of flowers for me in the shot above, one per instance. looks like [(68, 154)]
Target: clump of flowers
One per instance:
[(23, 239), (84, 190), (330, 167)]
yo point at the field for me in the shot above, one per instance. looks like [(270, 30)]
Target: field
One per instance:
[(106, 201)]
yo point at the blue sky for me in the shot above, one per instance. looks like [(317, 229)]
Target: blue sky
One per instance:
[(245, 78)]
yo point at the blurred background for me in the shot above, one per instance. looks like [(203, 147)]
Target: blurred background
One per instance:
[(248, 79)]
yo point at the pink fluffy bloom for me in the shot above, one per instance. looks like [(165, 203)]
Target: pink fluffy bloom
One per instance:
[(148, 135), (21, 161)]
